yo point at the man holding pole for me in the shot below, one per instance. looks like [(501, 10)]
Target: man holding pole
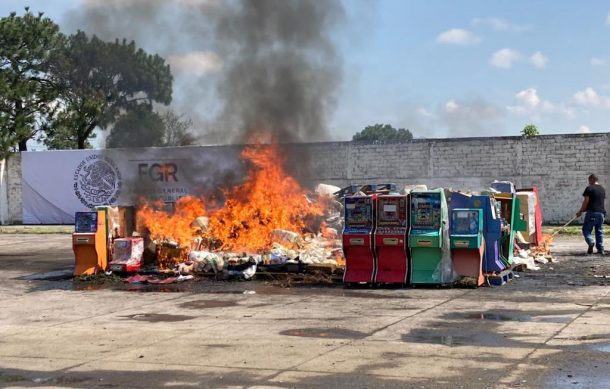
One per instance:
[(593, 204)]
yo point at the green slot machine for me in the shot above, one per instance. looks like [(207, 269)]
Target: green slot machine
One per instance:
[(427, 233), (468, 244)]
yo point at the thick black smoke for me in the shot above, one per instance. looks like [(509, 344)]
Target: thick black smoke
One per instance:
[(274, 66), (282, 69)]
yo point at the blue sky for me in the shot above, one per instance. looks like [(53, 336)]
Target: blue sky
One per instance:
[(467, 68)]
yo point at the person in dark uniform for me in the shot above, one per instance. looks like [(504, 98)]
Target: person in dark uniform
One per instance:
[(593, 205)]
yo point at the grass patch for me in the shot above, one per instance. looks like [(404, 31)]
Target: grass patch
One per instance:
[(36, 229)]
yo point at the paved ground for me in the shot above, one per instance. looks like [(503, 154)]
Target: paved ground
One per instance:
[(549, 328)]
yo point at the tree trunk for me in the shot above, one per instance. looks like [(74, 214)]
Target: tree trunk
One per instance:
[(23, 146), (81, 142)]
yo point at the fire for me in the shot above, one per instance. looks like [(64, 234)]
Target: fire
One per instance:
[(268, 199), (163, 226)]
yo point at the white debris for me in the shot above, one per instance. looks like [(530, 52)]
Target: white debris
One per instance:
[(327, 190), (206, 261), (528, 262), (410, 188), (286, 236)]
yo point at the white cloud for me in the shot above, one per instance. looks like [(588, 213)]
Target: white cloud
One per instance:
[(528, 97), (197, 63), (588, 97), (608, 18), (584, 129), (505, 58), (538, 60), (529, 103), (424, 112), (499, 24), (598, 61), (457, 36), (451, 106)]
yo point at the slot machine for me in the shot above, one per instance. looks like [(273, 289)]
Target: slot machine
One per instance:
[(391, 239), (467, 244), (509, 212), (536, 237), (89, 242), (127, 255), (427, 235), (492, 227), (358, 243)]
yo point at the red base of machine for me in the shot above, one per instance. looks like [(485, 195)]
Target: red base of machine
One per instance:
[(359, 259), (469, 263), (391, 261), (125, 267)]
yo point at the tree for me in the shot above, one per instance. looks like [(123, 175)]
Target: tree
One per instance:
[(102, 81), (177, 130), (383, 133), (530, 130), (140, 127), (61, 138), (28, 46)]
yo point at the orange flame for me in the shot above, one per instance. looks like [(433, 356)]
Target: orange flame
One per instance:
[(163, 226), (268, 199)]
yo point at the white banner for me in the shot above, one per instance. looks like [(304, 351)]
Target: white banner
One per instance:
[(56, 184)]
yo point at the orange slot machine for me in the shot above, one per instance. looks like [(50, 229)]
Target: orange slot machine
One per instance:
[(89, 242)]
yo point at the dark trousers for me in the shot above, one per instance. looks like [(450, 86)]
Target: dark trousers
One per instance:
[(594, 220)]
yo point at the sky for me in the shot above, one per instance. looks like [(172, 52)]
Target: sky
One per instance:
[(455, 69)]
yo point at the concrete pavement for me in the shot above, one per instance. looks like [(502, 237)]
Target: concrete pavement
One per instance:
[(549, 328)]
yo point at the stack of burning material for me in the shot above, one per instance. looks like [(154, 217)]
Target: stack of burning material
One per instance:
[(267, 219)]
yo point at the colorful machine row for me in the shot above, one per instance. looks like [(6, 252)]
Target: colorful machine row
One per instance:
[(424, 238)]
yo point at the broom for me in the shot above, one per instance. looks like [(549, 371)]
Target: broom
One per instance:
[(564, 226)]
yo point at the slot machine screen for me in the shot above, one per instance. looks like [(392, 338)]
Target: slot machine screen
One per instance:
[(465, 222), (426, 210), (85, 222), (392, 212), (358, 212)]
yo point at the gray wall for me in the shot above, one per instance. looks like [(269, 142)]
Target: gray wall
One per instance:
[(557, 164)]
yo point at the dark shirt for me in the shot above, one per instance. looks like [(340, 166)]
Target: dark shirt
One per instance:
[(597, 197)]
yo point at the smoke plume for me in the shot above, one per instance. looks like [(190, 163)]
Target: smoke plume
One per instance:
[(243, 68)]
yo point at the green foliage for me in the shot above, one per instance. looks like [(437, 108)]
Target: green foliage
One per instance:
[(177, 130), (100, 82), (530, 130), (60, 137), (29, 44), (380, 133), (140, 127)]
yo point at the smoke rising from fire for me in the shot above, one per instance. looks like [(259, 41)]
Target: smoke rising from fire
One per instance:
[(242, 67)]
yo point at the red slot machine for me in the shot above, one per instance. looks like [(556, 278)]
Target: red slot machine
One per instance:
[(358, 243), (390, 239)]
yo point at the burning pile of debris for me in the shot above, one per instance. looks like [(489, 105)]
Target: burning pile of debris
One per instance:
[(268, 220)]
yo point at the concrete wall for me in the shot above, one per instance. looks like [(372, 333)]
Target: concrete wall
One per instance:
[(557, 164), (10, 190)]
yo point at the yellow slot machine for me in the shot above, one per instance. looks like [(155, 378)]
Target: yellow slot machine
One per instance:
[(89, 242)]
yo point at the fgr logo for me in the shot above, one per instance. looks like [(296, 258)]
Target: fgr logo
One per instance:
[(97, 181), (163, 172)]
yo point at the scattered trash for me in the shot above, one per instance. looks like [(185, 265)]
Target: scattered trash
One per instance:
[(150, 279)]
